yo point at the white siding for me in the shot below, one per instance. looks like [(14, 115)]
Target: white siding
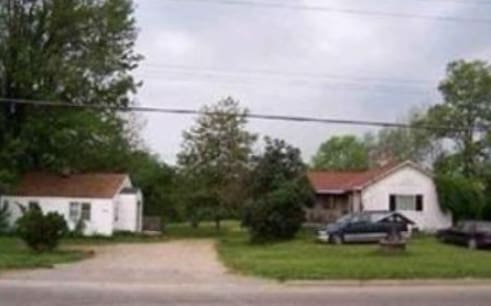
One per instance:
[(129, 213), (126, 184), (408, 181), (102, 211)]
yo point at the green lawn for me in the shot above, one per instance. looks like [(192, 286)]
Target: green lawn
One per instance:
[(14, 255), (206, 230), (303, 258)]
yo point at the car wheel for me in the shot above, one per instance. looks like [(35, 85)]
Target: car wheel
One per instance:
[(472, 244), (337, 239)]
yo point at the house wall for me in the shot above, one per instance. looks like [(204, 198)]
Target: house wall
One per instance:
[(128, 212), (408, 181), (356, 201), (102, 211)]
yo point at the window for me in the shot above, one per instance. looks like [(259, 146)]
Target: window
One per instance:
[(405, 202), (33, 205), (467, 226), (86, 211), (74, 211), (483, 227)]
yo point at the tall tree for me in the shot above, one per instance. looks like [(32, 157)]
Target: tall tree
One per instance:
[(216, 154), (157, 181), (467, 107), (76, 51), (341, 153), (279, 163), (416, 142)]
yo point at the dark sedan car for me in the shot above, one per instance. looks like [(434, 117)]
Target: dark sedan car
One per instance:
[(365, 227), (473, 234)]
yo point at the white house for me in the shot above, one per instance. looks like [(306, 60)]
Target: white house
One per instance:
[(404, 187), (105, 202)]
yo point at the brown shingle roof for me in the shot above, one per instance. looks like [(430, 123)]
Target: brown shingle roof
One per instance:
[(94, 185), (342, 181)]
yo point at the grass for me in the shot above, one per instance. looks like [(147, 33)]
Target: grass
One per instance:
[(206, 230), (303, 258), (115, 239), (15, 255)]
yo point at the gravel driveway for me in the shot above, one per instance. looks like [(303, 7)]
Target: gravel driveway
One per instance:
[(183, 262)]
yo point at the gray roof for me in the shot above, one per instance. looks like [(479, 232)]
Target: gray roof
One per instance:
[(129, 190)]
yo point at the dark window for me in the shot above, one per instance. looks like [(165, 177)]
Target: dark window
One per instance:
[(405, 202), (74, 211), (419, 202), (392, 202), (86, 211), (33, 205)]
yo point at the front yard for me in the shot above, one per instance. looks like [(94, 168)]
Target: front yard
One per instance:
[(303, 258), (15, 255), (300, 259)]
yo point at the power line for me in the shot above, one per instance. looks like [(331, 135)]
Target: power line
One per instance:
[(276, 73), (271, 117), (188, 74), (347, 87), (325, 9)]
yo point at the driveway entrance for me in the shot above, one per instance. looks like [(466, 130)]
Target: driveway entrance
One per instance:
[(183, 262)]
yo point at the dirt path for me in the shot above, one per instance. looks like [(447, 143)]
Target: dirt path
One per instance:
[(183, 262)]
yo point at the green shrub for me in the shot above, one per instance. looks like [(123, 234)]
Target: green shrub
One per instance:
[(279, 192), (463, 197), (41, 232), (277, 215)]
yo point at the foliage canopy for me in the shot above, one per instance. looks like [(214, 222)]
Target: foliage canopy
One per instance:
[(342, 153), (215, 158)]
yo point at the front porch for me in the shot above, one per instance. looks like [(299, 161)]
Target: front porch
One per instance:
[(330, 206)]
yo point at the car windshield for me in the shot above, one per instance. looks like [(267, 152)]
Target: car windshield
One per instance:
[(345, 219), (376, 216), (466, 226), (483, 227), (351, 218)]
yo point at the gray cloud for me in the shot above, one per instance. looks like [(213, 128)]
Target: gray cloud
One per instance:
[(237, 38)]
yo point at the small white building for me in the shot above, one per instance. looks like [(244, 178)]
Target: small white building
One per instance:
[(404, 187), (104, 202)]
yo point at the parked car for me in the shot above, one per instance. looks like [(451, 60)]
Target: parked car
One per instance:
[(369, 226), (473, 234)]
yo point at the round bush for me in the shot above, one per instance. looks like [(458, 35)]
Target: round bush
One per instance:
[(277, 215), (41, 232)]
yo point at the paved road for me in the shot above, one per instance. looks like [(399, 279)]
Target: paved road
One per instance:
[(187, 273)]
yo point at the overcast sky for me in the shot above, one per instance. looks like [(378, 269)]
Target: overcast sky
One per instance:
[(298, 62)]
